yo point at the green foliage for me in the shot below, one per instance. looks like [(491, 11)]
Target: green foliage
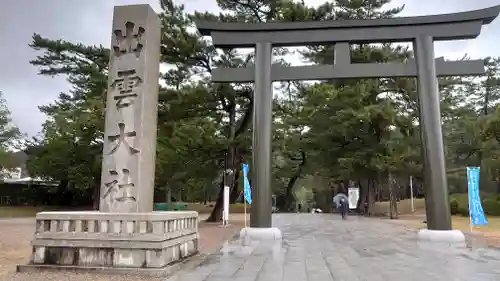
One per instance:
[(454, 206), (9, 135), (303, 195), (459, 204), (70, 150), (344, 130), (491, 206)]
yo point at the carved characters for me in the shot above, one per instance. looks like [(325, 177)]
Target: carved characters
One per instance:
[(122, 139), (119, 187), (118, 183), (128, 42), (126, 83)]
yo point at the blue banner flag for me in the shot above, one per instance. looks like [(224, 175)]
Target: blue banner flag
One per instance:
[(247, 190), (475, 208)]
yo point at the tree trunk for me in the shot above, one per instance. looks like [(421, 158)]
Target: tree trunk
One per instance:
[(179, 195), (205, 195), (231, 179), (96, 196), (393, 208), (228, 178), (230, 166), (235, 190), (235, 129), (341, 187), (289, 199), (168, 193), (483, 175), (363, 195), (216, 214), (372, 192)]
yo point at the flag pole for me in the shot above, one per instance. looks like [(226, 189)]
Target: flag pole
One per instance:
[(246, 190), (468, 202), (244, 200), (411, 195), (470, 211), (245, 208)]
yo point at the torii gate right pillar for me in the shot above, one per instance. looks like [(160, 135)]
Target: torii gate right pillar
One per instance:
[(436, 191)]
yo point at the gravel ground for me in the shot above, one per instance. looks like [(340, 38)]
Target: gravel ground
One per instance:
[(16, 235)]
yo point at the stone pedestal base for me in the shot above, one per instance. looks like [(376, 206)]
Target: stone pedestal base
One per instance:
[(258, 233), (441, 236), (439, 239), (113, 242)]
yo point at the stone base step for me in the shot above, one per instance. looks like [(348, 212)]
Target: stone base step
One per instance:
[(166, 271)]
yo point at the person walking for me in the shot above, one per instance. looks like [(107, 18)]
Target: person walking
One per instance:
[(342, 202)]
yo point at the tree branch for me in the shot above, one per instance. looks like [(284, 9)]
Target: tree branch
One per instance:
[(245, 121)]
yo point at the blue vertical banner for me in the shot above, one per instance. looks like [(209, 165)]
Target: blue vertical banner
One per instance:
[(247, 190), (476, 211)]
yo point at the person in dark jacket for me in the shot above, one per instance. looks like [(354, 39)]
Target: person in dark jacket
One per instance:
[(342, 202)]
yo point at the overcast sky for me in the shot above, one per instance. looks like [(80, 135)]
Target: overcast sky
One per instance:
[(89, 22)]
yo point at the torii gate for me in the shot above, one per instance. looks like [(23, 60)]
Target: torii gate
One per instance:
[(422, 31)]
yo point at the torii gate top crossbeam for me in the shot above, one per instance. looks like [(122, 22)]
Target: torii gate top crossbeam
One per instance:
[(465, 25)]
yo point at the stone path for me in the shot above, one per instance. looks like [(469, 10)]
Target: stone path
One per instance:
[(323, 247)]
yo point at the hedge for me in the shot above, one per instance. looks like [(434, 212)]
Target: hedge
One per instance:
[(459, 204)]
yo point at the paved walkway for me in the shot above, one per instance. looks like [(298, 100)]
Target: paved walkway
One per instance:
[(323, 247)]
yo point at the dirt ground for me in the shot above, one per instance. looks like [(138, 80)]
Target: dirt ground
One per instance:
[(16, 235), (488, 235)]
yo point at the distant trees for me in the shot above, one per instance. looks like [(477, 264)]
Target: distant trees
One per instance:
[(362, 131), (9, 136)]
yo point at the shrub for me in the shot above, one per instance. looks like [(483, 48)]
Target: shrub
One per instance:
[(462, 200), (491, 206), (454, 207), (464, 212), (459, 204)]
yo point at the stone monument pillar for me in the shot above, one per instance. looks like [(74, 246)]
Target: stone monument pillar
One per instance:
[(129, 151), (125, 236)]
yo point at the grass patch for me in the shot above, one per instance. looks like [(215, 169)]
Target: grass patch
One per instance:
[(30, 211), (462, 224), (201, 208), (462, 199), (458, 222)]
